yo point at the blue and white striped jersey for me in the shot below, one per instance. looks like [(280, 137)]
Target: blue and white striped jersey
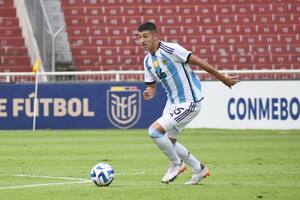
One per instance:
[(169, 66)]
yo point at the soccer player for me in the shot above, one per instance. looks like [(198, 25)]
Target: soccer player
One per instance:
[(168, 63)]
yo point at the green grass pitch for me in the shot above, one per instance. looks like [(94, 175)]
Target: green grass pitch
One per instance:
[(244, 164)]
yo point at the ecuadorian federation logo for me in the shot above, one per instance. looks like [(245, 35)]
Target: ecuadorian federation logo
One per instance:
[(123, 105)]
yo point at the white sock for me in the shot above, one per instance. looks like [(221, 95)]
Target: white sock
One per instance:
[(165, 145), (187, 157)]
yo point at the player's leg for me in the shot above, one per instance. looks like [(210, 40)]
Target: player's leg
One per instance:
[(199, 170), (157, 133), (183, 118), (182, 151)]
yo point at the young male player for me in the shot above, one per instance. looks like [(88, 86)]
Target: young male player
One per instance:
[(168, 63)]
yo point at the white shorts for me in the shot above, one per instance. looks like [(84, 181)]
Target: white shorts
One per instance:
[(176, 116)]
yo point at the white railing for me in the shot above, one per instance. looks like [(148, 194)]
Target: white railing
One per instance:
[(69, 76)]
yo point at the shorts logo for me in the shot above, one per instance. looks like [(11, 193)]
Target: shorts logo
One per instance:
[(123, 106)]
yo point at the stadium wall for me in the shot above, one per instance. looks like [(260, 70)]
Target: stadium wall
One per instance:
[(250, 104)]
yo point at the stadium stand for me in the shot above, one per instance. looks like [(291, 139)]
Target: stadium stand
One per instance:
[(13, 53), (241, 34), (229, 34)]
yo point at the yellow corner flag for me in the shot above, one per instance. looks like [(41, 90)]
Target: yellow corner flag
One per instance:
[(36, 66)]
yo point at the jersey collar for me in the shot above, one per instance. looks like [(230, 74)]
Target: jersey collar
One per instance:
[(159, 43)]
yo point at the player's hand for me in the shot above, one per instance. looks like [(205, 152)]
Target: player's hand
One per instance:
[(230, 80), (147, 94)]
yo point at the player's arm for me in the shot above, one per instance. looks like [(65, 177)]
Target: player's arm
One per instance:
[(227, 80), (150, 91)]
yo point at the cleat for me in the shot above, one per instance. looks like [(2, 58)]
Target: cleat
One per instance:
[(173, 172), (198, 176)]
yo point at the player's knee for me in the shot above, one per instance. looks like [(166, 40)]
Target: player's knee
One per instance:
[(153, 133)]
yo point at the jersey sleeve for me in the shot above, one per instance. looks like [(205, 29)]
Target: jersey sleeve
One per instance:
[(181, 54), (148, 76)]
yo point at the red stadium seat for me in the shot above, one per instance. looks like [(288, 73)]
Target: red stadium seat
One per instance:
[(294, 48), (12, 42), (231, 34), (9, 22), (280, 8), (203, 50), (99, 3), (209, 30), (6, 3), (15, 68), (15, 61), (9, 11), (241, 9), (223, 10), (232, 39), (132, 67), (133, 20), (110, 67), (226, 19), (261, 8), (260, 49), (204, 9), (10, 32), (289, 38), (13, 53)]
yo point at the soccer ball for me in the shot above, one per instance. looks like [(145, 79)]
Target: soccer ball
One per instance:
[(102, 174)]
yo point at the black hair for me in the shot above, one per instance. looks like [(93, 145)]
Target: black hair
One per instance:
[(147, 26)]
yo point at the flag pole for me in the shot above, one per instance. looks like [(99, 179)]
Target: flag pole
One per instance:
[(36, 72)]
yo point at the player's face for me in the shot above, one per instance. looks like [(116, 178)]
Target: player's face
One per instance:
[(147, 40)]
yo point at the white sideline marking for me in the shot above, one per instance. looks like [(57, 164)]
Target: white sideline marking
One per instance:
[(75, 181), (42, 184), (51, 177)]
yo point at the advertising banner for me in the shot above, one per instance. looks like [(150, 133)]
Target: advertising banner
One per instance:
[(250, 105), (78, 106)]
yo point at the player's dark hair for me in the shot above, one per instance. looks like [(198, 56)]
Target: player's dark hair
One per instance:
[(147, 26)]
